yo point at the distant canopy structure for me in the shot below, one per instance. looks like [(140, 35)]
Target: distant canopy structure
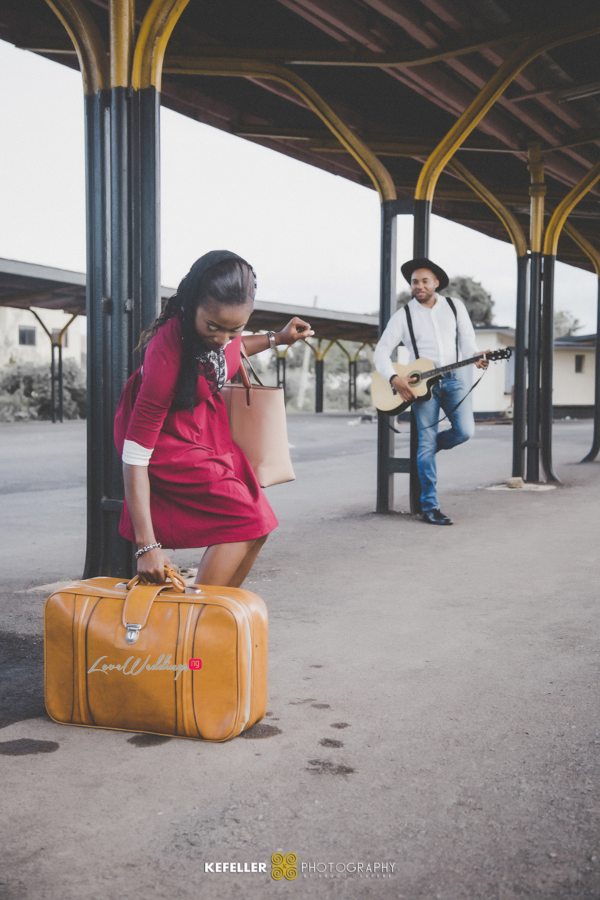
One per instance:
[(487, 114)]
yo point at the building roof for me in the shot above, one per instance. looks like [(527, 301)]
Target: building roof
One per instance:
[(504, 329), (399, 73), (573, 341)]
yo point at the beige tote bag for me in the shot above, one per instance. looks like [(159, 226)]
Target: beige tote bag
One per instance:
[(259, 427)]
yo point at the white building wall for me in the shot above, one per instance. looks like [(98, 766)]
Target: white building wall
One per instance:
[(13, 352), (571, 388), (493, 393)]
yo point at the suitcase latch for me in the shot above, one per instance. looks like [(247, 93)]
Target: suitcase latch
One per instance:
[(132, 633)]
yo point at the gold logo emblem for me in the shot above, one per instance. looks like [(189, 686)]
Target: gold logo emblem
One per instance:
[(284, 866)]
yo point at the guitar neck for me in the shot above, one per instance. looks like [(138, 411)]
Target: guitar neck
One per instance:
[(457, 365)]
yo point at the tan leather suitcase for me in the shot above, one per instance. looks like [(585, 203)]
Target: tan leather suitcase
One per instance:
[(165, 659)]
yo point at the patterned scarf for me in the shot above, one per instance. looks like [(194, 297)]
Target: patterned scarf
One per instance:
[(212, 366)]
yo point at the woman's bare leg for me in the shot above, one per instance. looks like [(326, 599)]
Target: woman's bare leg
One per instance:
[(228, 564), (248, 561), (221, 562)]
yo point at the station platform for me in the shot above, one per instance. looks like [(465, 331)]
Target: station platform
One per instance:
[(433, 691)]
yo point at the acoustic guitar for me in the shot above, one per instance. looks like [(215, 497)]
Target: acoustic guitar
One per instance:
[(422, 375)]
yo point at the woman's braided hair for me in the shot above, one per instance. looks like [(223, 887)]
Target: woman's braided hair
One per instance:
[(220, 276)]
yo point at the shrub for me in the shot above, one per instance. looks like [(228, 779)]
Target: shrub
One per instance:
[(26, 392)]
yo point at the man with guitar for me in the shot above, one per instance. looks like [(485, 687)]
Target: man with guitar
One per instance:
[(438, 329)]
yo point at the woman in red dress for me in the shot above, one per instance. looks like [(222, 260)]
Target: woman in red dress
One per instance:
[(186, 483)]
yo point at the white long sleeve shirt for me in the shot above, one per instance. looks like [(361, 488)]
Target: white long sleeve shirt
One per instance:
[(435, 333)]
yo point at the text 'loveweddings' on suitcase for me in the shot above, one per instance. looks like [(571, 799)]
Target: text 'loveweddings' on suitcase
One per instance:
[(165, 659)]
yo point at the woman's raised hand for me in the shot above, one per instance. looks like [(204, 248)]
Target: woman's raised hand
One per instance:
[(295, 330), (151, 566)]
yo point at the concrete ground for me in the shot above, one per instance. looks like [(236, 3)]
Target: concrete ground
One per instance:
[(432, 703)]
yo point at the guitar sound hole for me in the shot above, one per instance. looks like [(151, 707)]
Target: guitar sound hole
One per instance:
[(414, 378)]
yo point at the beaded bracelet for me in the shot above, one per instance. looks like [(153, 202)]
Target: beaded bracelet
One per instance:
[(145, 549)]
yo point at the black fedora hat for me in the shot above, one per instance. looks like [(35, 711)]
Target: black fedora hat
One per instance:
[(423, 263)]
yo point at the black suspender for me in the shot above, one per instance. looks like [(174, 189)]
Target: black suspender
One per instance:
[(453, 308), (412, 333)]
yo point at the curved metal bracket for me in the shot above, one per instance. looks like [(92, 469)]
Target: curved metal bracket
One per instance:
[(594, 255), (510, 221), (254, 68), (495, 87), (158, 24), (87, 40), (564, 208)]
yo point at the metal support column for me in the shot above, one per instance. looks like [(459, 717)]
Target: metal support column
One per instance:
[(595, 449), (387, 463), (98, 285), (122, 199), (118, 314), (385, 435), (281, 365), (61, 385), (53, 379), (320, 372), (537, 192), (422, 219), (594, 256), (352, 373), (532, 469), (557, 222), (520, 384), (319, 383), (547, 359), (145, 206)]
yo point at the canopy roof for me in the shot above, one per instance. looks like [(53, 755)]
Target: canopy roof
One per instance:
[(23, 285), (399, 73)]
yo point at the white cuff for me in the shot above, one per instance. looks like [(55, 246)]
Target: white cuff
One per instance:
[(136, 455)]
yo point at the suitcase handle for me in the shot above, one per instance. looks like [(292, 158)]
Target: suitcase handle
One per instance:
[(177, 581), (139, 600)]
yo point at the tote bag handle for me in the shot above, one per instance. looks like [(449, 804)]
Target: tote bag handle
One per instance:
[(242, 370)]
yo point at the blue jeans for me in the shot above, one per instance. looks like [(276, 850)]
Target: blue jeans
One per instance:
[(445, 396)]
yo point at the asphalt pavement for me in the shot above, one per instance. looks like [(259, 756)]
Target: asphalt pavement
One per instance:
[(432, 727)]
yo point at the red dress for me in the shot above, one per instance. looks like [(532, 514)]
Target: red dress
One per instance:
[(202, 489)]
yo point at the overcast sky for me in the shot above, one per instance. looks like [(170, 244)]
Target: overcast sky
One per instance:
[(306, 232)]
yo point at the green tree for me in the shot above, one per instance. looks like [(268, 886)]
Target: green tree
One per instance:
[(478, 301)]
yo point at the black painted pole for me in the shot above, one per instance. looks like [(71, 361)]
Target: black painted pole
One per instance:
[(422, 216), (96, 115), (385, 435), (520, 385), (319, 384), (280, 363), (145, 211), (591, 456), (533, 371), (61, 396), (53, 380), (420, 248), (117, 560), (547, 359), (352, 395)]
